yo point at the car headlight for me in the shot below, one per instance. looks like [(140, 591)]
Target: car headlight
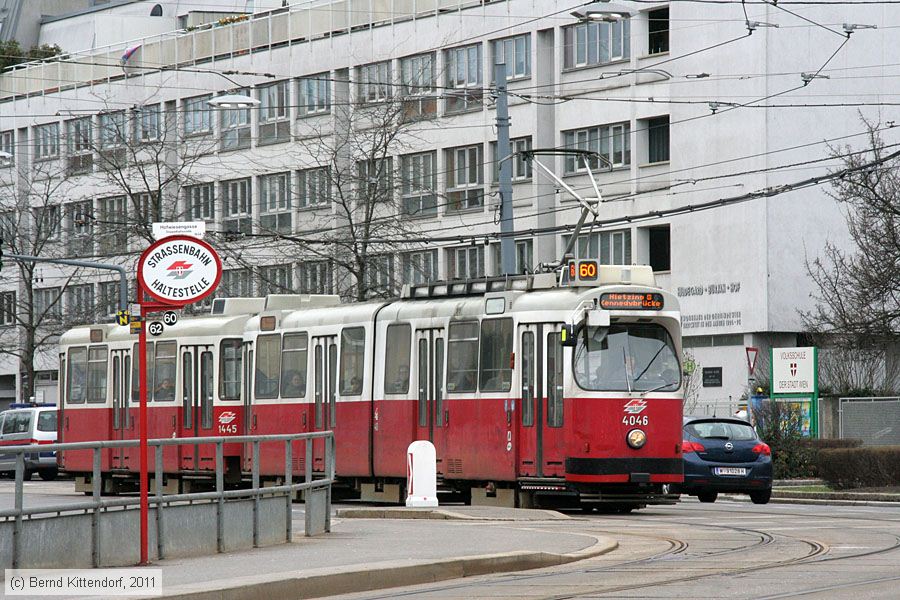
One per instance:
[(636, 438)]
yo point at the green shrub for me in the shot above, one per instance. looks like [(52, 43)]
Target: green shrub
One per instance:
[(844, 468)]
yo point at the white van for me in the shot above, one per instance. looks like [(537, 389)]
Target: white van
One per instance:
[(31, 425)]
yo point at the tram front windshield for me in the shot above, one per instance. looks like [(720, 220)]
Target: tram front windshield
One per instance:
[(638, 357)]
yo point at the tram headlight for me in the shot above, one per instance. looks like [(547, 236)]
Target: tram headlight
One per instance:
[(636, 438)]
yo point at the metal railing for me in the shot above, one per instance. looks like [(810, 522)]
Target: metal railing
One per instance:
[(98, 504)]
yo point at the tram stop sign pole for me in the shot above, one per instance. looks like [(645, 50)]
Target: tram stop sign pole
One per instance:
[(173, 271)]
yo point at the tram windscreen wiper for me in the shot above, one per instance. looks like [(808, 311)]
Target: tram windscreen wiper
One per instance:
[(659, 387)]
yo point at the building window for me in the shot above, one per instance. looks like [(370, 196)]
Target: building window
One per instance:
[(380, 275), (46, 141), (658, 139), (418, 84), (7, 308), (275, 279), (197, 115), (80, 303), (109, 297), (420, 267), (465, 178), (316, 277), (7, 144), (658, 31), (315, 94), (515, 52), (147, 124), (79, 223), (112, 129), (314, 186), (521, 168), (660, 241), (609, 247), (149, 209), (524, 257), (236, 283), (47, 222), (200, 200), (464, 78), (419, 183), (375, 177), (273, 103), (113, 228), (236, 215), (611, 142), (375, 82), (46, 304), (275, 203), (466, 262), (79, 133), (588, 44), (235, 124)]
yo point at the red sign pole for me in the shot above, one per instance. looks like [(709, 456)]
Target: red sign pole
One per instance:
[(142, 378)]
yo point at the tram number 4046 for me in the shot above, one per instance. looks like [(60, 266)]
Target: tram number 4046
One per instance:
[(636, 420)]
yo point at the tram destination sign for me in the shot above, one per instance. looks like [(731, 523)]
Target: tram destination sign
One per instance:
[(631, 301), (179, 270)]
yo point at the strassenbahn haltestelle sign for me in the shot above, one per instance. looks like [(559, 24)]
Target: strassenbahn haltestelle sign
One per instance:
[(179, 270)]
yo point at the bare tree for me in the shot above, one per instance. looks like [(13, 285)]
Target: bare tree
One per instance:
[(692, 382)]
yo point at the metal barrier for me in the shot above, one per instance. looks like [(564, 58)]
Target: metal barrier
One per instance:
[(875, 420), (313, 489)]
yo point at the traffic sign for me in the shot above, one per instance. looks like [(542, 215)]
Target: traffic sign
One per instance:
[(155, 328), (170, 317), (179, 270), (135, 327), (122, 317)]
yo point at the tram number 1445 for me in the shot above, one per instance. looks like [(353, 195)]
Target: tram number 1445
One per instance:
[(636, 420)]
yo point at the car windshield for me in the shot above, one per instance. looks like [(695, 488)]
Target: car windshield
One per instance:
[(47, 420), (637, 357), (718, 430)]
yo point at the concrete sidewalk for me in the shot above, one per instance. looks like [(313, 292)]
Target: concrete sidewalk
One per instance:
[(365, 553)]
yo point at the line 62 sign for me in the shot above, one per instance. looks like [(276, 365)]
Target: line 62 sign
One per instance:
[(179, 270)]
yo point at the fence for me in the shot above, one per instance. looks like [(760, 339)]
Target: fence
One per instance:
[(180, 524), (875, 421)]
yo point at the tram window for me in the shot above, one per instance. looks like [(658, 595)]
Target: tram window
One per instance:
[(230, 369), (294, 352), (554, 381), (268, 363), (117, 392), (320, 382), (77, 376), (439, 381), (396, 352), (423, 382), (332, 381), (462, 349), (496, 350), (164, 379), (96, 380), (353, 354), (135, 370), (206, 390), (528, 379), (626, 357), (187, 389)]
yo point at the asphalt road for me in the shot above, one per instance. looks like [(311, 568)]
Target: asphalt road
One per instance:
[(727, 550)]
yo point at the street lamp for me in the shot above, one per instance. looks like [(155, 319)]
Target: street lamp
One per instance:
[(601, 11), (230, 101)]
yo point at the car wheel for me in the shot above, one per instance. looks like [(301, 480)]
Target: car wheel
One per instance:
[(48, 474), (707, 496), (761, 497), (27, 475)]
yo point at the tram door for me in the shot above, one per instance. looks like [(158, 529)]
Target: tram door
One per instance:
[(325, 353), (431, 411), (540, 439), (121, 421), (196, 407)]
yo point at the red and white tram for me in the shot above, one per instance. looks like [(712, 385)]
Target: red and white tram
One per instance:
[(528, 388)]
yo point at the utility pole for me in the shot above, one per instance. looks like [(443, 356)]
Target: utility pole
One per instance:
[(507, 242)]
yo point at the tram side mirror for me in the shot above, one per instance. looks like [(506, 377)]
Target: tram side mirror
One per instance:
[(597, 318), (567, 336)]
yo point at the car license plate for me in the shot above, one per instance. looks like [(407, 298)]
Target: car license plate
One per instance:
[(731, 471)]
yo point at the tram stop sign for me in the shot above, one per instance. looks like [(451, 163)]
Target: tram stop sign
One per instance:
[(179, 270)]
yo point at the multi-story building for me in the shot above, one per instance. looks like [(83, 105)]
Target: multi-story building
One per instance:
[(682, 103)]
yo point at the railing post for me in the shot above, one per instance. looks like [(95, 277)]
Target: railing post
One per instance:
[(329, 470), (158, 475), (307, 493), (254, 470), (97, 485), (17, 528), (220, 490), (288, 480)]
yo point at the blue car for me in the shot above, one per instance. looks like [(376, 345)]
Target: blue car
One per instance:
[(724, 454)]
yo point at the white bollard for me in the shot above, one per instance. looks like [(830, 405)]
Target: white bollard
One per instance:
[(421, 475)]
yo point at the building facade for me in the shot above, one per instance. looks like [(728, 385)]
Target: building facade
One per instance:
[(686, 103)]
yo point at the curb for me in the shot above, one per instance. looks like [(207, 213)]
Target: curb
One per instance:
[(316, 583), (816, 501), (439, 514)]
